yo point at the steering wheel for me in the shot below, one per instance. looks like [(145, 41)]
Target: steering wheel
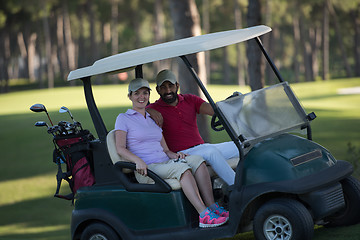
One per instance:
[(216, 125)]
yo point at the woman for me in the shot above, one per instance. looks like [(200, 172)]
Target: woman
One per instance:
[(140, 140)]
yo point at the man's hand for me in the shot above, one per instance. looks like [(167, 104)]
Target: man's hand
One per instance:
[(178, 155), (156, 116)]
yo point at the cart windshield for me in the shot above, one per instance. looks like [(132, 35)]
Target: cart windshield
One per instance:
[(264, 113)]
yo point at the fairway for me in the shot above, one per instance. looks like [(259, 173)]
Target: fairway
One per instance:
[(27, 175)]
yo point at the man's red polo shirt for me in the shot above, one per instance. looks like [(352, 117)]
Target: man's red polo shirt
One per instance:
[(180, 128)]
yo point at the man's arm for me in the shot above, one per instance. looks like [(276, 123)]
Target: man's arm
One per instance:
[(156, 116), (169, 153), (206, 108)]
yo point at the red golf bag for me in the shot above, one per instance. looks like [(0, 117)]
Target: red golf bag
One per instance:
[(74, 151)]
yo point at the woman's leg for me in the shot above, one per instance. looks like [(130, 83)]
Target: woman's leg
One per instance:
[(203, 181), (191, 191), (189, 186), (202, 177)]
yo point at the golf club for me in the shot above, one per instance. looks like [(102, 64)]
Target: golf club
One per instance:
[(43, 124), (64, 109), (54, 129), (40, 108)]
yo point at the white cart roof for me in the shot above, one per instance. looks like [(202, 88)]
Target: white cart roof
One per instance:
[(128, 60)]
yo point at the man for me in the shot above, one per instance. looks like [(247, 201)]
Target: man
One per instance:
[(180, 129)]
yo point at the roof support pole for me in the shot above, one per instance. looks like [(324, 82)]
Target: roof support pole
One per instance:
[(272, 65), (139, 71), (94, 112)]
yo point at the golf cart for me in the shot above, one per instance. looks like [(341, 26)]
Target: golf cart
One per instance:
[(284, 183)]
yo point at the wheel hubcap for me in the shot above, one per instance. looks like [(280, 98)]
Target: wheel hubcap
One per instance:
[(277, 227), (98, 237)]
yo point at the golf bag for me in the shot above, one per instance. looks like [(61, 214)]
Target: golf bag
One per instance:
[(74, 151)]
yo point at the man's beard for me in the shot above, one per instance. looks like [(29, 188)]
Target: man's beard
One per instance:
[(169, 100)]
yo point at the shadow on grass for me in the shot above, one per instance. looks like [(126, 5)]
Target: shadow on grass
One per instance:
[(36, 219), (340, 233), (44, 235)]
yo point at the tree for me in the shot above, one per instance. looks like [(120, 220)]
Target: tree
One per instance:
[(186, 23), (206, 29), (61, 50), (4, 60), (49, 68), (240, 59), (339, 38), (325, 41), (68, 38), (114, 24), (355, 15), (90, 7), (255, 62), (159, 31)]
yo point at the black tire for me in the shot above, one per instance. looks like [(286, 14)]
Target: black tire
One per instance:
[(351, 213), (283, 219), (99, 231)]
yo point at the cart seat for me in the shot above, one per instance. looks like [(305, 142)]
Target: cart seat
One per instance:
[(115, 157), (233, 162), (174, 183)]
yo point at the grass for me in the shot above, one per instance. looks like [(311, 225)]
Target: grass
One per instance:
[(27, 174)]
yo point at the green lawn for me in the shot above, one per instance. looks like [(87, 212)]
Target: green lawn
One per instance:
[(27, 174)]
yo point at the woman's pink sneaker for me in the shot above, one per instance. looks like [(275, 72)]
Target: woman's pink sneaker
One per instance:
[(220, 211), (211, 219)]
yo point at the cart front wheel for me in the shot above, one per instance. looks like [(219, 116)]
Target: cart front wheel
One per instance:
[(99, 231), (283, 219), (350, 214)]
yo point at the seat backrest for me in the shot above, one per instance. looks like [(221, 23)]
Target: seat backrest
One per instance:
[(111, 145)]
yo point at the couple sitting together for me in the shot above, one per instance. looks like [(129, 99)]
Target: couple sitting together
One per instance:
[(164, 138)]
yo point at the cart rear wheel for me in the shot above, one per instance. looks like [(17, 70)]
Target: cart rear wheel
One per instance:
[(99, 231), (283, 219), (351, 213)]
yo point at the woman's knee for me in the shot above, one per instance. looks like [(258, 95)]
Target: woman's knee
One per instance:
[(185, 174), (201, 168)]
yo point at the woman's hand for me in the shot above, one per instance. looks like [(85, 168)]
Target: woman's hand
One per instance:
[(141, 167)]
